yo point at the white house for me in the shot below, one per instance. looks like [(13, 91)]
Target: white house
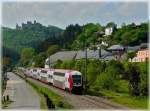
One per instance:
[(47, 63), (109, 31)]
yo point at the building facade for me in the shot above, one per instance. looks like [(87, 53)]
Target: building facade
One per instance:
[(109, 31), (141, 56)]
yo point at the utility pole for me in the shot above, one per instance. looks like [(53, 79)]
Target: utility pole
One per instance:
[(85, 67), (99, 51), (85, 64), (49, 62)]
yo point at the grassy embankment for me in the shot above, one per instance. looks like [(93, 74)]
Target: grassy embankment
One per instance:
[(122, 96), (56, 99)]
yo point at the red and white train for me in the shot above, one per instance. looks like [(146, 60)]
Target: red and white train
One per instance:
[(64, 79)]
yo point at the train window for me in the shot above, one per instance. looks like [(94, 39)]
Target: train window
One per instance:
[(43, 78), (34, 70), (50, 76), (76, 78), (43, 71), (59, 74)]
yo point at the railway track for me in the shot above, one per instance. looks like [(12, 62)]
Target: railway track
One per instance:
[(82, 101)]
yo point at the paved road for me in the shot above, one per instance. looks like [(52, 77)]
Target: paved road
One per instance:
[(21, 93)]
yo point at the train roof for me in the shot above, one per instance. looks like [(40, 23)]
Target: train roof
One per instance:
[(59, 70)]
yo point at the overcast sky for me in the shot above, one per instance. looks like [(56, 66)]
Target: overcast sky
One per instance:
[(62, 14)]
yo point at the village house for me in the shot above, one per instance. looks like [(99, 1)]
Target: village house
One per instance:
[(141, 56), (109, 31), (77, 55)]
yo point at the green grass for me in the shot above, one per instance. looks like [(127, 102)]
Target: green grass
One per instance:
[(122, 96), (126, 99), (57, 100), (133, 102), (43, 104)]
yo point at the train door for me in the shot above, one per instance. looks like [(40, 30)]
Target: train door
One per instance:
[(50, 77), (66, 81)]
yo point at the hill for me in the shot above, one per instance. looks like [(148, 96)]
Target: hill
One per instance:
[(28, 35)]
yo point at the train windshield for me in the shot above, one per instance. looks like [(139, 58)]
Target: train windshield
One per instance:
[(76, 79)]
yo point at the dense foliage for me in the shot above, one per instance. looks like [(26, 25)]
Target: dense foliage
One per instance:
[(26, 56), (52, 49), (131, 34), (39, 60), (29, 35)]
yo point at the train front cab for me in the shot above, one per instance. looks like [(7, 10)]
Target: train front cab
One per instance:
[(77, 83)]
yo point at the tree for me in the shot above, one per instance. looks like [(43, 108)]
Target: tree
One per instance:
[(116, 68), (126, 38), (70, 34), (6, 63), (105, 81), (26, 55), (58, 63), (134, 79), (87, 36), (123, 24), (111, 24), (39, 60), (52, 49), (143, 67), (131, 55), (94, 68)]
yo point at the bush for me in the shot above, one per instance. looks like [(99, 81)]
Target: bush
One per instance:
[(67, 65), (134, 79), (116, 68), (143, 67), (39, 60), (137, 75), (79, 65), (52, 49), (106, 81), (94, 68), (58, 64)]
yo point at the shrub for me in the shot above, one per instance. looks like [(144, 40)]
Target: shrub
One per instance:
[(143, 67), (92, 72), (58, 64), (134, 78), (106, 81), (79, 65), (116, 68)]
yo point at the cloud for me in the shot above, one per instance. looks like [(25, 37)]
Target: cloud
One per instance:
[(64, 13), (130, 9)]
